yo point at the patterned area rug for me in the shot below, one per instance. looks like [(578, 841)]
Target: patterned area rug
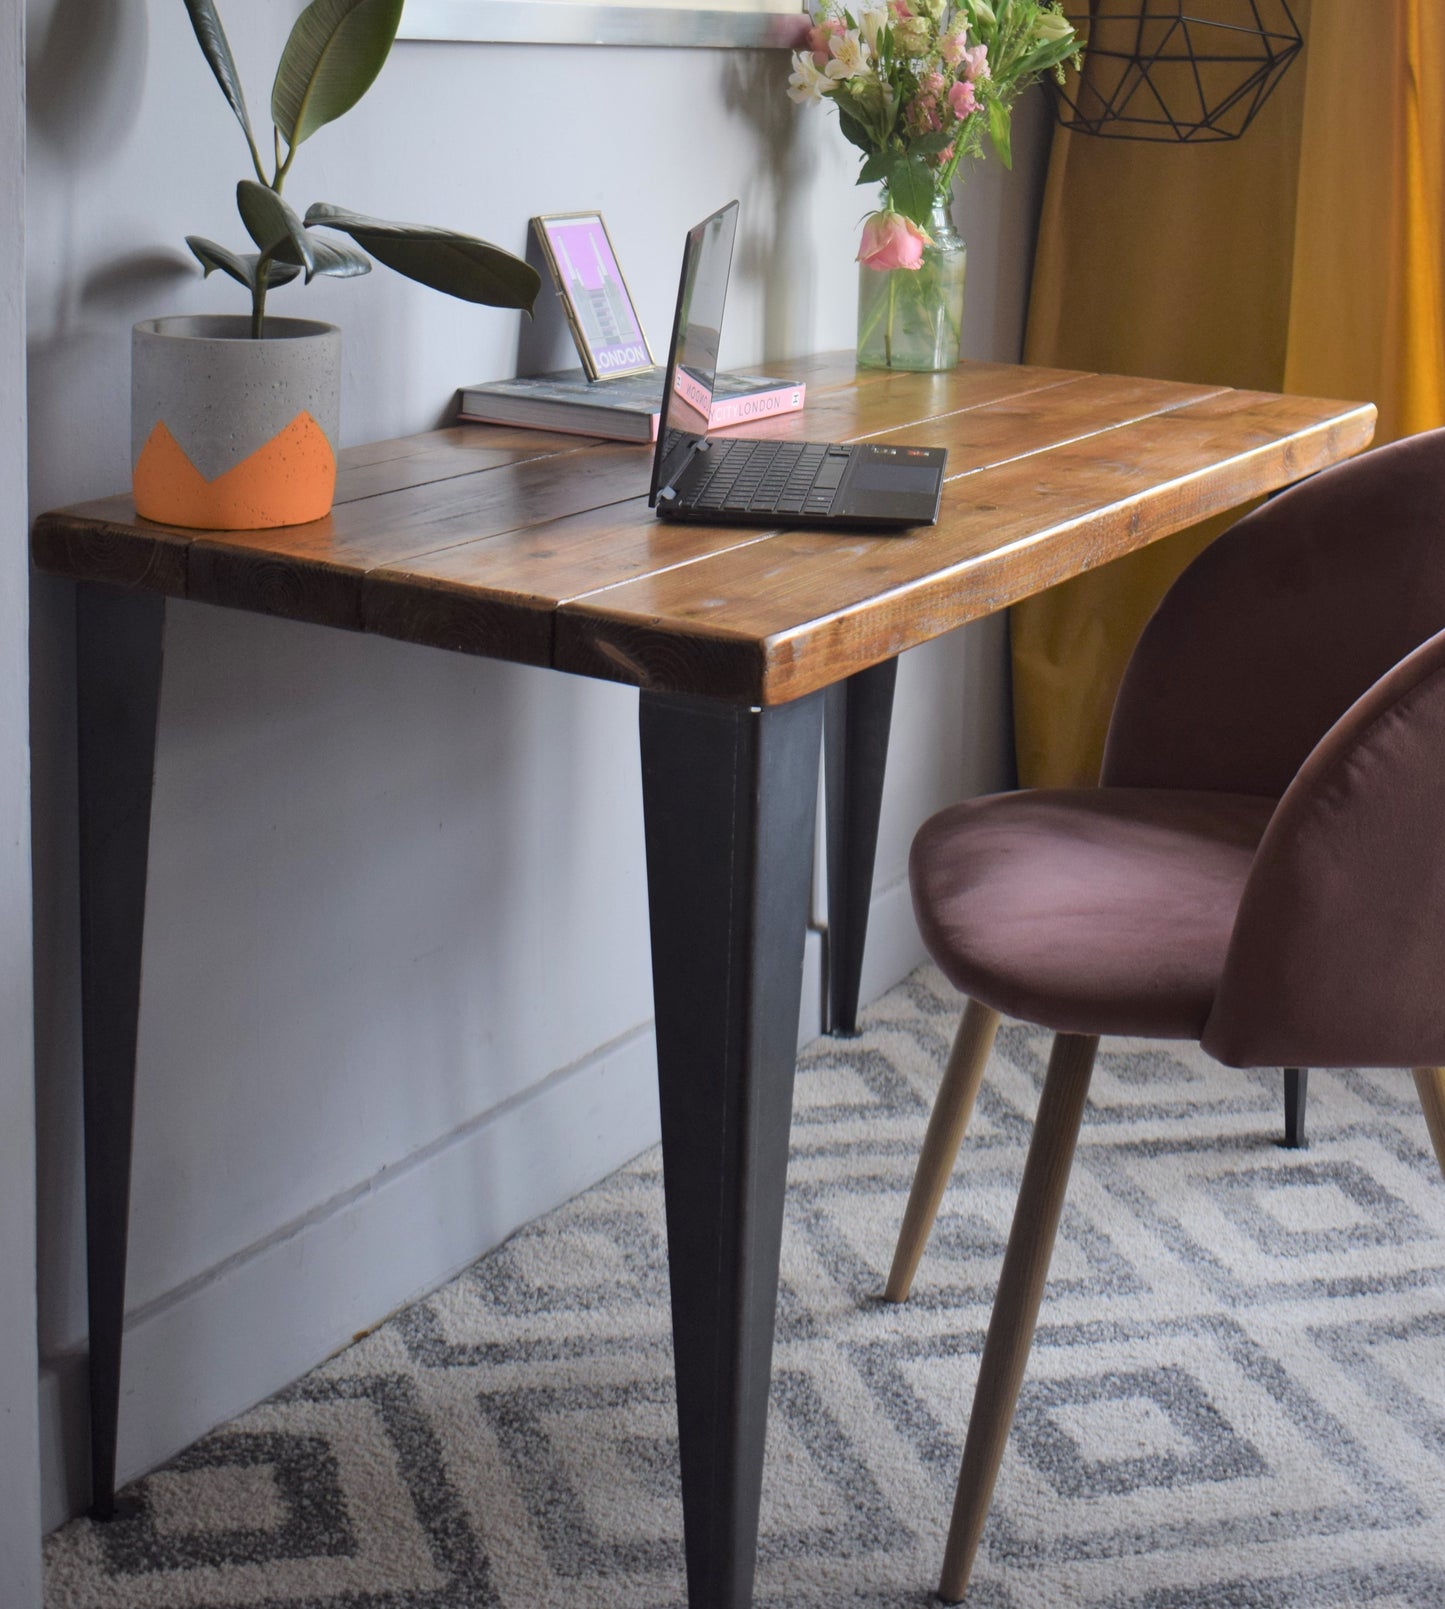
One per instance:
[(1236, 1397)]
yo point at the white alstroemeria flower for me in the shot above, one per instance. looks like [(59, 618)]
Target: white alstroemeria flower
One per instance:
[(870, 22), (808, 80), (849, 53), (1052, 26)]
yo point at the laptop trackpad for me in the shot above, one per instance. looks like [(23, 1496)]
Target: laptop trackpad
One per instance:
[(891, 476), (896, 484)]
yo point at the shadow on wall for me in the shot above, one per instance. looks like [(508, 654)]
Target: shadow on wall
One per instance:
[(85, 72), (85, 75), (544, 342), (770, 249)]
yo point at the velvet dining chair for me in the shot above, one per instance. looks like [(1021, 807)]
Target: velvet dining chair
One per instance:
[(1262, 868)]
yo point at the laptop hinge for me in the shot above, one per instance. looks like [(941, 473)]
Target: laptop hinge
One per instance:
[(665, 494)]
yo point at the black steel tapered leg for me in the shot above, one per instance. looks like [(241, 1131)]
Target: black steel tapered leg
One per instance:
[(118, 675), (729, 797), (1296, 1089), (855, 746)]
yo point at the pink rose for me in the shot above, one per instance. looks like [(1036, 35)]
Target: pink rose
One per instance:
[(962, 99), (892, 241), (819, 37)]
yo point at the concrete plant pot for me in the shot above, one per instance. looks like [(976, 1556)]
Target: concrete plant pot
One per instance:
[(230, 433)]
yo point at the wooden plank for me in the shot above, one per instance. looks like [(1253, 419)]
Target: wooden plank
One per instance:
[(314, 572), (106, 540), (464, 598), (459, 598), (823, 606), (389, 466), (894, 401), (103, 541)]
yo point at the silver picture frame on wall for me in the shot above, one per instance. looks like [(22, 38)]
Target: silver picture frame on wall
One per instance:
[(563, 22)]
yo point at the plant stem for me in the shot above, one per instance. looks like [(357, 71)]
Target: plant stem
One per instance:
[(282, 168), (258, 298), (255, 158)]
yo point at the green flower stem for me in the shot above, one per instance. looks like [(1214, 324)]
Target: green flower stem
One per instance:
[(866, 335), (892, 306)]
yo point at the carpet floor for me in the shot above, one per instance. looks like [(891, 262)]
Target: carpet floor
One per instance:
[(1236, 1395)]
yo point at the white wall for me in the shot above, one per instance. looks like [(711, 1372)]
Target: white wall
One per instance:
[(19, 1487), (397, 996)]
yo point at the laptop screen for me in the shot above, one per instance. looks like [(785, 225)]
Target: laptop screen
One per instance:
[(696, 331)]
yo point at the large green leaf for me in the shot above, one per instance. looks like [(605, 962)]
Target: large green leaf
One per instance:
[(330, 61), (910, 189), (241, 266), (271, 223), (216, 48), (335, 259), (853, 130), (459, 265), (998, 131), (1046, 55)]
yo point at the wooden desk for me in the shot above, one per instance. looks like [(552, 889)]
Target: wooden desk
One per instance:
[(541, 549)]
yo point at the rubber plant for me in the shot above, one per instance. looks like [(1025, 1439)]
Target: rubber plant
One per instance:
[(332, 57)]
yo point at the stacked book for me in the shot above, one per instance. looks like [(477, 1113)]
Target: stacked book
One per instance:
[(626, 408)]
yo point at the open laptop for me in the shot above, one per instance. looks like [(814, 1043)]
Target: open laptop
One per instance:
[(727, 481)]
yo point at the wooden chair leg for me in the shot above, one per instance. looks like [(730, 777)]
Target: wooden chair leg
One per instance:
[(1016, 1307), (952, 1109), (1430, 1086), (1296, 1090)]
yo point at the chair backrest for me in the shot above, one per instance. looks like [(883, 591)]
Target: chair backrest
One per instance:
[(1281, 624), (1338, 948)]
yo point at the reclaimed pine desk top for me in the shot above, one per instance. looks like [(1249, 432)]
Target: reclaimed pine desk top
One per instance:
[(540, 548)]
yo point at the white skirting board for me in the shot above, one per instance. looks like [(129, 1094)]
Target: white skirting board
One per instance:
[(199, 1356)]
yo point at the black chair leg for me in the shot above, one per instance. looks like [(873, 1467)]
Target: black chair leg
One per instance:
[(1296, 1085)]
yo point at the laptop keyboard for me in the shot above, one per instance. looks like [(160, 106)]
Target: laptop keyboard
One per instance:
[(766, 477)]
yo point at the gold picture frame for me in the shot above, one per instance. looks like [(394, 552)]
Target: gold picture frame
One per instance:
[(590, 285)]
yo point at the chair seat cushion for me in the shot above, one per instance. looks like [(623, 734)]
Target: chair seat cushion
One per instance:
[(1092, 911)]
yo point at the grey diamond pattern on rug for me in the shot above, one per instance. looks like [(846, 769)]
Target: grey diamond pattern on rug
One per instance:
[(1236, 1394)]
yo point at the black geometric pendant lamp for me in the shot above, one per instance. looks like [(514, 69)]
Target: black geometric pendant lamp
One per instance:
[(1180, 70)]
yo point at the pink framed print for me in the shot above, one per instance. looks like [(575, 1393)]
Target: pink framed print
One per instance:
[(594, 295)]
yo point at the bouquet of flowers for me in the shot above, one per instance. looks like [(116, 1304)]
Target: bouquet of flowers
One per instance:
[(918, 85)]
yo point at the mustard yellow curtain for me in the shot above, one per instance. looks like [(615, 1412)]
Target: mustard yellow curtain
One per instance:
[(1306, 256)]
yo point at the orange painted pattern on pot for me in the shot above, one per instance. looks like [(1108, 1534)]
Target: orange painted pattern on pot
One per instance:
[(290, 480)]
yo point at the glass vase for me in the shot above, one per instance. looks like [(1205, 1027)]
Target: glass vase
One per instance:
[(910, 318)]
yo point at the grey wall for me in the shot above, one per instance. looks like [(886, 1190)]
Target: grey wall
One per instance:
[(397, 997), (19, 1487)]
